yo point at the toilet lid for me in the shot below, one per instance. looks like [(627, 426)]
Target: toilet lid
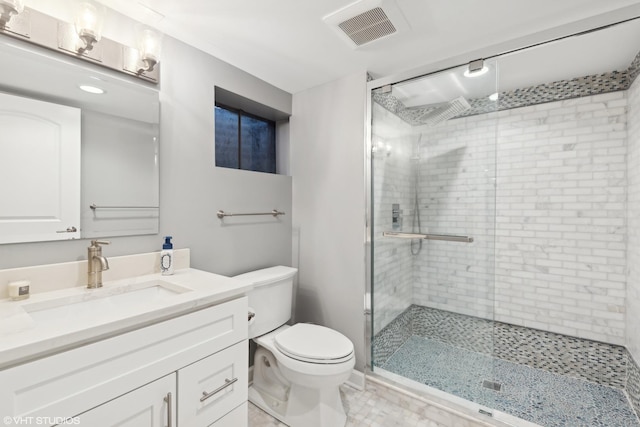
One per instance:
[(309, 342)]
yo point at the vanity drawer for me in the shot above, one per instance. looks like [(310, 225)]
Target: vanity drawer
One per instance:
[(212, 387), (239, 417), (73, 381)]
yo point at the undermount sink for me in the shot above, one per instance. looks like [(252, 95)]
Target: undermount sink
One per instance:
[(110, 298)]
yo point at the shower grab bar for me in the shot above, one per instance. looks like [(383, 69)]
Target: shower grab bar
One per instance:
[(445, 237), (221, 214)]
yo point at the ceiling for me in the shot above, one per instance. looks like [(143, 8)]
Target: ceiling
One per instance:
[(288, 44), (609, 49)]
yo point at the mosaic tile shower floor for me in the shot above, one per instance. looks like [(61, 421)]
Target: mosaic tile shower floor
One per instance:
[(538, 396)]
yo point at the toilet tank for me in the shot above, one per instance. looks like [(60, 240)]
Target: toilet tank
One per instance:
[(270, 299)]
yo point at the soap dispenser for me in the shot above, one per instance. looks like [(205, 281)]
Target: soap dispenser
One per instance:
[(166, 257)]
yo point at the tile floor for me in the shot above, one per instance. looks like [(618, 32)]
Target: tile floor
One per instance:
[(538, 396), (541, 397), (381, 406)]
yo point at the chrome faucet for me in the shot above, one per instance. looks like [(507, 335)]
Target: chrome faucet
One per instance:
[(97, 263)]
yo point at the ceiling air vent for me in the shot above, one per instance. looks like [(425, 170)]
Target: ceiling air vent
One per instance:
[(368, 26), (366, 21)]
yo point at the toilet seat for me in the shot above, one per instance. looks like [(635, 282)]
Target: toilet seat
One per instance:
[(314, 344)]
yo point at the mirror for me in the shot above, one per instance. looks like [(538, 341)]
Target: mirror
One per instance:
[(118, 179)]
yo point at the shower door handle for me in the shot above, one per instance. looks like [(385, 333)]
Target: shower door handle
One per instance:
[(404, 235), (444, 237)]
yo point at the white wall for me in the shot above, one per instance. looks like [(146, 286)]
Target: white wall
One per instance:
[(327, 154), (191, 188), (633, 218)]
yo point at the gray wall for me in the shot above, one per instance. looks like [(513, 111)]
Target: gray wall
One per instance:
[(191, 188), (327, 156)]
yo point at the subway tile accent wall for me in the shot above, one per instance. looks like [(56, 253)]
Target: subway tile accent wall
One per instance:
[(561, 179), (561, 217), (633, 244), (633, 207), (392, 183), (457, 192), (558, 188)]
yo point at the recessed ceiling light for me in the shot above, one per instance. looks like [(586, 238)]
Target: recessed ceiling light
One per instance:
[(91, 89), (494, 96), (476, 73)]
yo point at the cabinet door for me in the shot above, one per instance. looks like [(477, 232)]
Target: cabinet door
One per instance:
[(213, 386), (153, 405), (39, 170)]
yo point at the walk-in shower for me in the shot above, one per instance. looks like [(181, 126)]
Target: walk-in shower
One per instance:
[(505, 233)]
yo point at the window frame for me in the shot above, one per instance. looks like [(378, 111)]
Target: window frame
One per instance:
[(240, 112)]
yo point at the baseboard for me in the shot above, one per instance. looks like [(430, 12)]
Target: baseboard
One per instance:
[(356, 380)]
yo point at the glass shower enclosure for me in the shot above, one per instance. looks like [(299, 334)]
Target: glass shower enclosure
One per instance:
[(503, 206), (433, 176)]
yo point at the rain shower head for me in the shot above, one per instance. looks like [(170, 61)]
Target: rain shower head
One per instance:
[(444, 112)]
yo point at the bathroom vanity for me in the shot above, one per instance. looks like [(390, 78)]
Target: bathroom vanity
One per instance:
[(147, 351)]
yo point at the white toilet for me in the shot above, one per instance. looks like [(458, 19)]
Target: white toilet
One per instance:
[(297, 369)]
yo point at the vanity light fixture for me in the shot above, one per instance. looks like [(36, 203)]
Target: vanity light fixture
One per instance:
[(83, 39), (88, 23), (476, 68), (9, 8), (149, 43)]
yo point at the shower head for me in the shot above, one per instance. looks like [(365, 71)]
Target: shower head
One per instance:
[(444, 112)]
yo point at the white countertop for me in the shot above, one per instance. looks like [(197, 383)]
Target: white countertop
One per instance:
[(23, 338)]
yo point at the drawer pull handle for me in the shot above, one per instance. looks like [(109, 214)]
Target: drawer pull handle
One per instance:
[(167, 399), (227, 383)]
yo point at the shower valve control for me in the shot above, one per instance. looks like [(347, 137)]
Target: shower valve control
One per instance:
[(396, 219)]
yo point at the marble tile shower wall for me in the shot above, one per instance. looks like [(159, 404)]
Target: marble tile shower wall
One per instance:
[(392, 183), (633, 207), (457, 197), (561, 250), (633, 242), (560, 216)]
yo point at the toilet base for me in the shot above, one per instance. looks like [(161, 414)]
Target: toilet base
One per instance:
[(299, 394), (326, 411), (269, 405)]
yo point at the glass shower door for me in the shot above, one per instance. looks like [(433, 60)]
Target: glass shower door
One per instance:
[(433, 173)]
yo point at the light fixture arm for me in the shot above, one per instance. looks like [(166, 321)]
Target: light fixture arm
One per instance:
[(88, 39), (9, 8), (149, 65)]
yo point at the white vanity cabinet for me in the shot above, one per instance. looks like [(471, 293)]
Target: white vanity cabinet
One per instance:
[(152, 405), (214, 385), (139, 378)]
